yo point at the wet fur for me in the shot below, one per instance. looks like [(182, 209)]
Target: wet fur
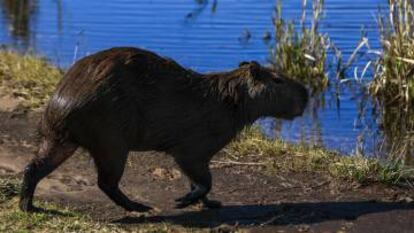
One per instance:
[(128, 99)]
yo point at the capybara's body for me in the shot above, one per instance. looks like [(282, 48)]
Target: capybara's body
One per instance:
[(128, 99)]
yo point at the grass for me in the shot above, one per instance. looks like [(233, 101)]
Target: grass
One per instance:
[(278, 155), (27, 77)]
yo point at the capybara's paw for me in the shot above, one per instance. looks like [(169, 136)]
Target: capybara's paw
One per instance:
[(211, 204), (184, 202), (25, 206), (138, 207)]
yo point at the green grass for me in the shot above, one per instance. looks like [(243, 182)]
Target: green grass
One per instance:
[(277, 155), (13, 220), (8, 188), (28, 77), (66, 220)]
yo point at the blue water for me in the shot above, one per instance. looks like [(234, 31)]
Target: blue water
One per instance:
[(204, 40)]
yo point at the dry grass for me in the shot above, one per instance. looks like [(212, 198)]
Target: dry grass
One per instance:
[(28, 77)]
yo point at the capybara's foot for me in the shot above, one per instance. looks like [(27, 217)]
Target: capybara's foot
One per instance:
[(211, 204), (185, 201), (198, 193), (27, 206), (138, 207)]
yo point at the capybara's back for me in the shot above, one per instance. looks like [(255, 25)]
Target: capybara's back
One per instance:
[(112, 85), (128, 99)]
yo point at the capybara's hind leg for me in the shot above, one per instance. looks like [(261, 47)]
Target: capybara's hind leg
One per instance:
[(199, 174), (110, 165), (51, 154)]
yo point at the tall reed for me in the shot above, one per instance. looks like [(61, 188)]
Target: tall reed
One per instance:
[(393, 83), (301, 54)]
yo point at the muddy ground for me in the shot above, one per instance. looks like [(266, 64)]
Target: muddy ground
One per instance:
[(254, 201)]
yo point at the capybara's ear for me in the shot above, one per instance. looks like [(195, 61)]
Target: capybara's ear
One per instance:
[(255, 81), (243, 63), (254, 69)]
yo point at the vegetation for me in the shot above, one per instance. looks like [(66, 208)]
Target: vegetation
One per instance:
[(301, 54), (28, 77), (277, 155), (393, 83), (305, 54)]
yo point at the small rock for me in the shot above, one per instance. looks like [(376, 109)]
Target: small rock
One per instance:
[(303, 228), (169, 174)]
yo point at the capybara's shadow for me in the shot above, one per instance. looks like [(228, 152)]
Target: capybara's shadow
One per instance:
[(277, 214)]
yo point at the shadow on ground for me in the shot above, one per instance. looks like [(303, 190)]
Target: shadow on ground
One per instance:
[(278, 214)]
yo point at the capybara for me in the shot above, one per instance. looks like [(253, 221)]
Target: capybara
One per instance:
[(129, 99)]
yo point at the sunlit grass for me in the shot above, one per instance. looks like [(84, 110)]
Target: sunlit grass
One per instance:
[(28, 77), (277, 155)]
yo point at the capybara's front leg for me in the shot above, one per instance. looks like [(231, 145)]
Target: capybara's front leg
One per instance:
[(200, 177), (208, 203)]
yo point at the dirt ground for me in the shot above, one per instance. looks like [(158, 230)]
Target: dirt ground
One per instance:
[(282, 202)]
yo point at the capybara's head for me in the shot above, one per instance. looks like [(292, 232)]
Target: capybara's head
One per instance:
[(271, 94)]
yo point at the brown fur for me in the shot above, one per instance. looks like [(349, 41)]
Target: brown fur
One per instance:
[(128, 99)]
